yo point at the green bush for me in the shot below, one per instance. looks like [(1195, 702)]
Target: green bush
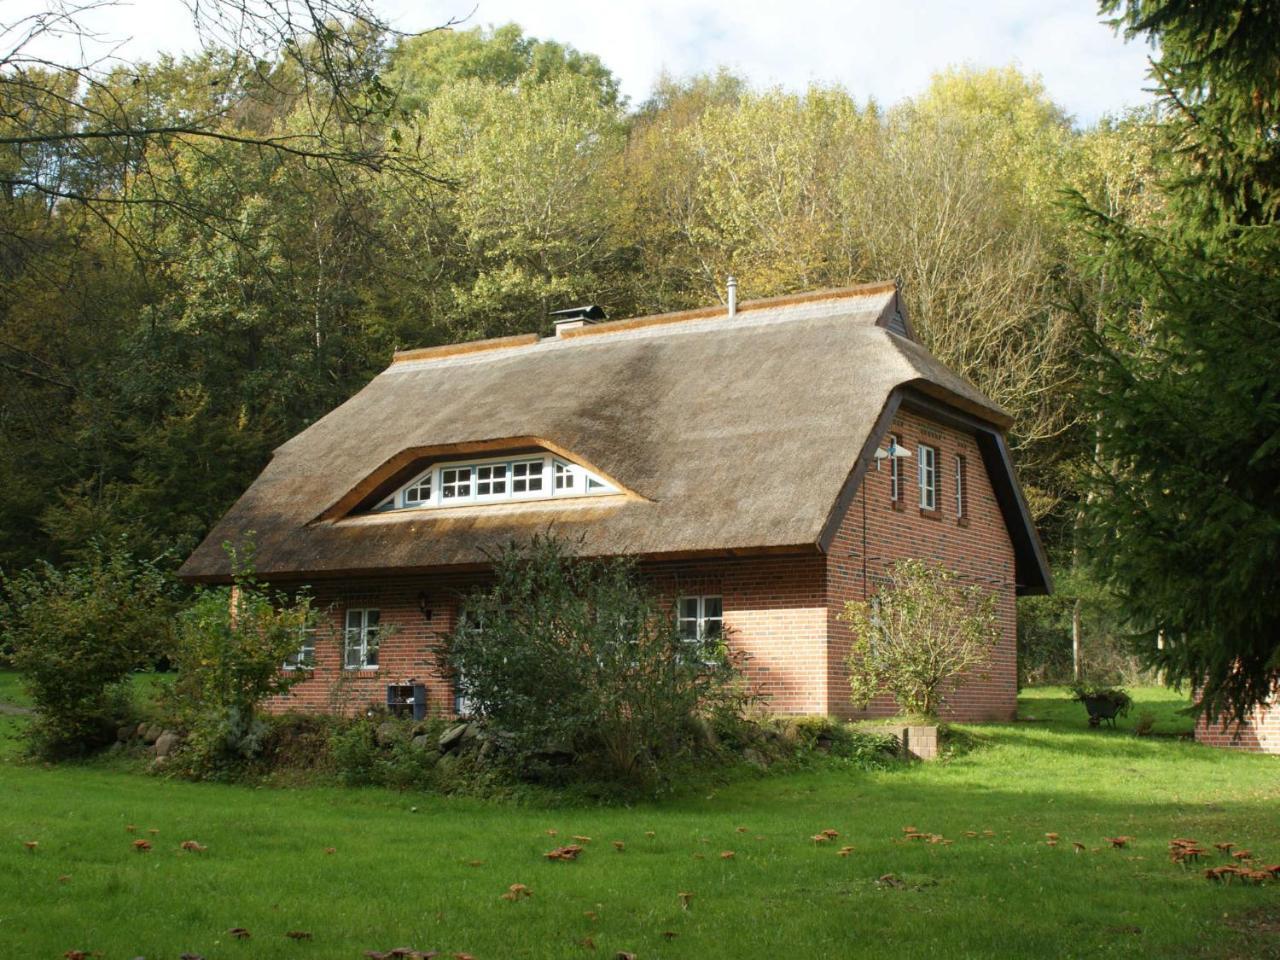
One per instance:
[(567, 655), (380, 751), (77, 633), (230, 646), (920, 637)]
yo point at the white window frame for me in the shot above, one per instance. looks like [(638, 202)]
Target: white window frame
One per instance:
[(305, 657), (427, 489), (961, 511), (701, 618), (927, 476), (363, 631), (895, 473)]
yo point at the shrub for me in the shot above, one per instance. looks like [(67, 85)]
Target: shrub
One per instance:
[(923, 634), (566, 654), (77, 633), (230, 646)]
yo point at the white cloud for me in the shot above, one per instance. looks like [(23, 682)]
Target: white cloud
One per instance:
[(885, 49)]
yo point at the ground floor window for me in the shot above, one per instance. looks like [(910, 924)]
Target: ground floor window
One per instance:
[(700, 618), (305, 658), (361, 639)]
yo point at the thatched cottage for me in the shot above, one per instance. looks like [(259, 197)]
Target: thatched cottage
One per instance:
[(739, 453)]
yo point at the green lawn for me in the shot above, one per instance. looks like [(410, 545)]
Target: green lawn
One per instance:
[(433, 879)]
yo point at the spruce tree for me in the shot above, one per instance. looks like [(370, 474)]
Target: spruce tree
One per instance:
[(1185, 361)]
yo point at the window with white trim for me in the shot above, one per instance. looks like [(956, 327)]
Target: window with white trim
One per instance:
[(961, 493), (895, 473), (360, 639), (526, 476), (419, 491), (305, 657), (492, 479), (928, 477), (700, 618), (455, 483), (472, 623)]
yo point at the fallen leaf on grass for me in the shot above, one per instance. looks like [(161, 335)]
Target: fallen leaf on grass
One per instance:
[(31, 845), (624, 955), (475, 863), (669, 934), (1051, 836), (142, 846), (129, 828), (820, 838), (154, 832), (65, 878), (590, 914), (1051, 843), (193, 846), (516, 891), (889, 880), (829, 833), (330, 850), (587, 943), (240, 933), (742, 829), (552, 832), (684, 900), (190, 956), (577, 839), (298, 935), (619, 845), (569, 852), (726, 854), (1118, 842), (650, 834), (845, 851)]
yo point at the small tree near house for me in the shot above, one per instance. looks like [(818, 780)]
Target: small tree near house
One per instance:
[(920, 637)]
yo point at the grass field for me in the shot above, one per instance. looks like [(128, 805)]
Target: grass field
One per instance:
[(432, 877)]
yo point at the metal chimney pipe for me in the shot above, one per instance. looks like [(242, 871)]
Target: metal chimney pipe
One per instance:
[(733, 296)]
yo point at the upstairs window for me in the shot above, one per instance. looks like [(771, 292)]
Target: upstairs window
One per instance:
[(895, 474), (455, 483), (928, 477), (360, 640), (962, 510), (419, 491), (526, 476), (497, 478)]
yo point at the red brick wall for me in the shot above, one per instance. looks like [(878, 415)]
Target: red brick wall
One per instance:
[(1260, 734), (780, 610), (977, 547)]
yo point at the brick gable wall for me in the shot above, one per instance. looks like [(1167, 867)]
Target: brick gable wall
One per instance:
[(781, 611), (977, 547)]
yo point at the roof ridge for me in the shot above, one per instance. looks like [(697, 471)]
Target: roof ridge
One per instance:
[(646, 320)]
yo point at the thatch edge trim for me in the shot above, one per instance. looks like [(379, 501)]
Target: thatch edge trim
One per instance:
[(461, 349), (703, 313), (373, 573)]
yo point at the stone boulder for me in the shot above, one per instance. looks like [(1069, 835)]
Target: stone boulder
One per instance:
[(167, 743), (458, 736), (387, 733)]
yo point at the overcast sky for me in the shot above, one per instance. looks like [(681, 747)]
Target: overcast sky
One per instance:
[(881, 48)]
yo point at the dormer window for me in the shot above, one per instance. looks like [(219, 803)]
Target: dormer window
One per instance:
[(497, 479)]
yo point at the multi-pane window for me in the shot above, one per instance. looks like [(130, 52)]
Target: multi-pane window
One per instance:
[(419, 491), (564, 476), (700, 618), (526, 476), (360, 640), (895, 473), (928, 477), (305, 657), (529, 478), (961, 508), (455, 483), (491, 480)]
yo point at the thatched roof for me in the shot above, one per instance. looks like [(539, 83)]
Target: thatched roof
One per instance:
[(727, 435)]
